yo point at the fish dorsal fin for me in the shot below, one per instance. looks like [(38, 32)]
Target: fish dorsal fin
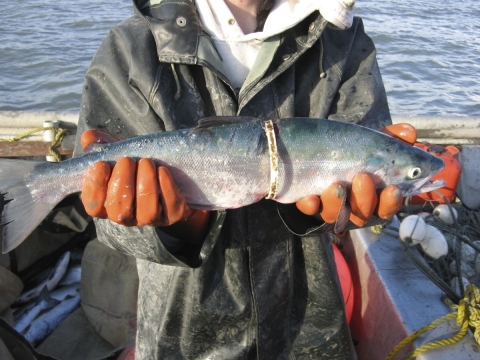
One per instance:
[(212, 121), (94, 147), (44, 294)]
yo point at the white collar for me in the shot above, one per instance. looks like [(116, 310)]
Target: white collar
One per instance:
[(220, 23)]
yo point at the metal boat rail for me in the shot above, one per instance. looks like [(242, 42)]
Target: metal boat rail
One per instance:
[(457, 130)]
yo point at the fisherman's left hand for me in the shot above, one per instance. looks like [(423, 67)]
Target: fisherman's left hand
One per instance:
[(361, 194)]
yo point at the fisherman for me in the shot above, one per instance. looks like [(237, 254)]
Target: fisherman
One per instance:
[(254, 282)]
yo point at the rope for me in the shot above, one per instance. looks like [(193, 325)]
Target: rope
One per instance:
[(59, 135), (467, 314)]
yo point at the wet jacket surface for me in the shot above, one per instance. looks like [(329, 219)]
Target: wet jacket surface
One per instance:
[(252, 289)]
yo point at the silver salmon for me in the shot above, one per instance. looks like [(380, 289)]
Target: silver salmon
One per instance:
[(46, 323), (227, 166), (43, 303)]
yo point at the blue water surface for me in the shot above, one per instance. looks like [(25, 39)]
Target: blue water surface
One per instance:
[(429, 52)]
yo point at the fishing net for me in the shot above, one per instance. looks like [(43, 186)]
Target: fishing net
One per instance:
[(461, 265)]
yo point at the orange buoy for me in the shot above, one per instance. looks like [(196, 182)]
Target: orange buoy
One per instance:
[(451, 174)]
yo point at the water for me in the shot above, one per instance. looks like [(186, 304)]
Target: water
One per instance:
[(428, 51), (46, 47), (429, 54)]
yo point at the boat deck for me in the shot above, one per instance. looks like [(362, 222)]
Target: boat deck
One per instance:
[(393, 298)]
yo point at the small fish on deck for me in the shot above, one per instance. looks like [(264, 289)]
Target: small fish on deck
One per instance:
[(45, 324), (44, 302)]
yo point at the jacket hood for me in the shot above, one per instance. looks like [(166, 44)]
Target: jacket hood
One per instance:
[(176, 29)]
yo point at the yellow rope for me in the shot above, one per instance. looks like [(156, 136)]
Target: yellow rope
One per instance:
[(28, 133), (467, 314), (59, 135)]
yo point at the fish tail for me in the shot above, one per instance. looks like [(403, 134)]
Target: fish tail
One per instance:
[(24, 204)]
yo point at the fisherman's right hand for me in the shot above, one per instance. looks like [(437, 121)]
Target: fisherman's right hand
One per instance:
[(138, 194), (360, 194)]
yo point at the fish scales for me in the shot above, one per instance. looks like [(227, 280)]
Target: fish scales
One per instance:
[(209, 166), (320, 153), (227, 166)]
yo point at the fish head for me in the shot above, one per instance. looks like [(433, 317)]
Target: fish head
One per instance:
[(408, 167)]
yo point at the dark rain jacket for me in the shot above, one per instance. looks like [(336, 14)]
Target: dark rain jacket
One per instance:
[(251, 289)]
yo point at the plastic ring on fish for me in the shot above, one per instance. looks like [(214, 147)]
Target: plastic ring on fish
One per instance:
[(272, 150)]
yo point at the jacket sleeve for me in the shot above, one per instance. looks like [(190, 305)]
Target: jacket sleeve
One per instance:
[(361, 96), (116, 93), (115, 99)]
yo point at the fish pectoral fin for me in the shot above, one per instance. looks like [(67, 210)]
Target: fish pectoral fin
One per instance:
[(213, 121), (342, 220), (343, 216), (45, 296)]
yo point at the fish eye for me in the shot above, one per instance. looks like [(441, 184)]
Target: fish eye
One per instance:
[(414, 173)]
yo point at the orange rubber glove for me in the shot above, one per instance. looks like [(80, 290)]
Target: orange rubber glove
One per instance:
[(140, 194), (363, 198)]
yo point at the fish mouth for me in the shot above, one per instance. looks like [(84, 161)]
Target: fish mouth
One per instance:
[(425, 186)]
